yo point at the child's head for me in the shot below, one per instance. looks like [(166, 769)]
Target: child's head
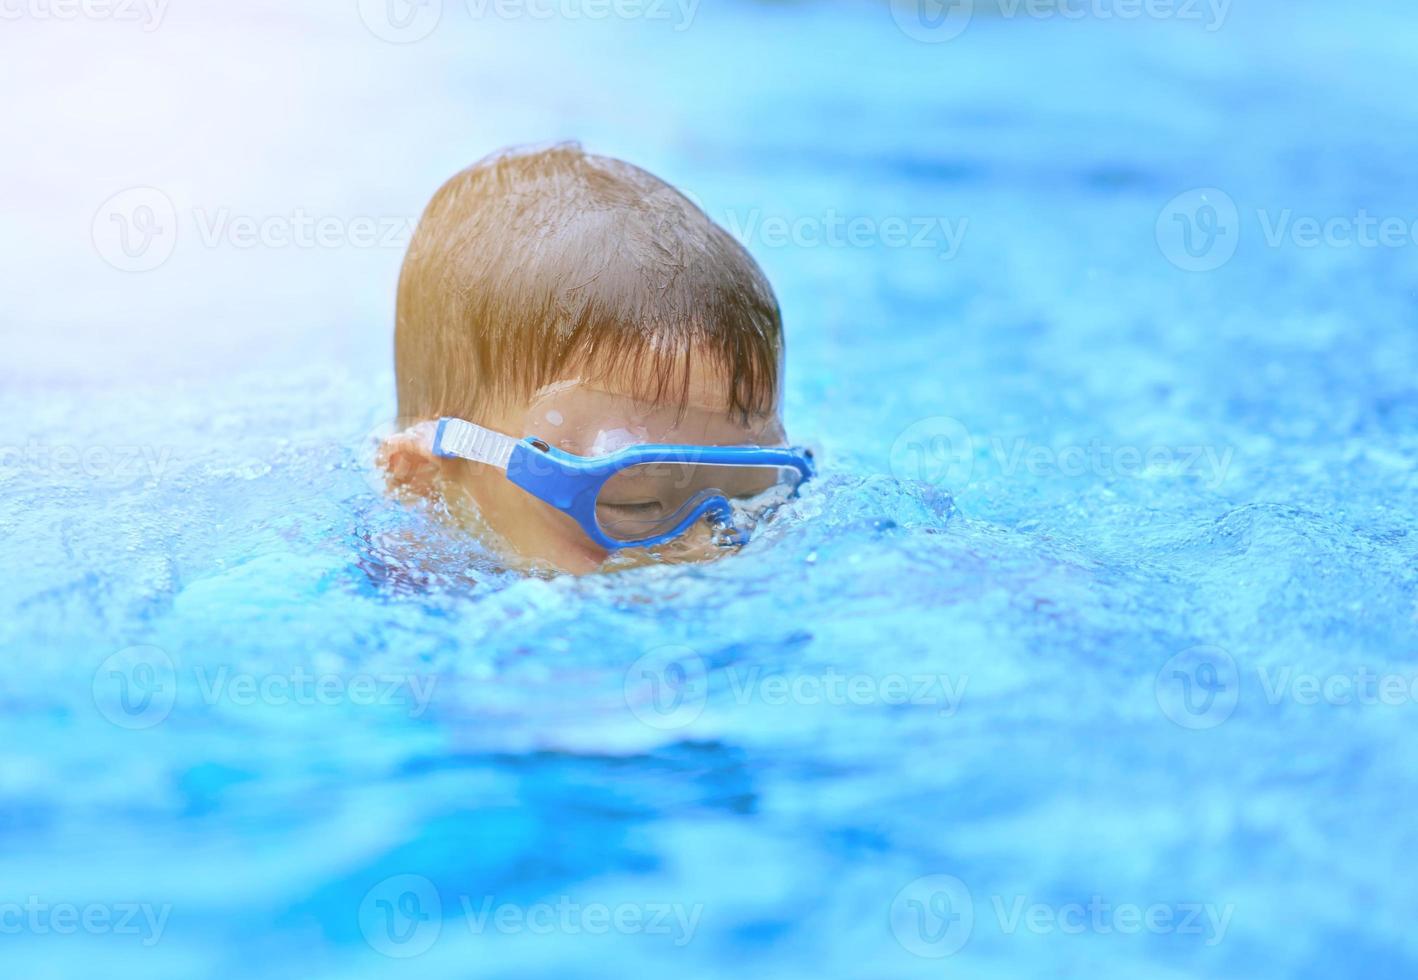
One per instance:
[(582, 300)]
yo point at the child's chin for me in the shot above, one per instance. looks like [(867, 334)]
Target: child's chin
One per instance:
[(570, 561), (681, 551), (576, 558)]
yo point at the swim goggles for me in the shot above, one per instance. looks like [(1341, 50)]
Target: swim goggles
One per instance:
[(640, 495)]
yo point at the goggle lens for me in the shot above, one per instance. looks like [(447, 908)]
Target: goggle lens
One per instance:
[(647, 500)]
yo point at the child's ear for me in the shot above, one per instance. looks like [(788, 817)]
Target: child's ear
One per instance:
[(408, 461)]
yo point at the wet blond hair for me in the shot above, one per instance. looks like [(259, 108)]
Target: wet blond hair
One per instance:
[(533, 265)]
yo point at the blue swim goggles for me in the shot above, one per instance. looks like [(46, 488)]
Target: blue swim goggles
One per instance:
[(640, 495)]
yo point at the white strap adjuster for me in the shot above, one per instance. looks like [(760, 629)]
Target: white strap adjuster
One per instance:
[(468, 441)]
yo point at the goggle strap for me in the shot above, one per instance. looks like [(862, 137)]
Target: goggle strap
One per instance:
[(465, 440)]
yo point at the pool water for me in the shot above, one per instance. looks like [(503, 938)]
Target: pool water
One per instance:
[(1091, 652)]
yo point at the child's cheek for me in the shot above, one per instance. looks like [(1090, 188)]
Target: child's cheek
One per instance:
[(544, 533)]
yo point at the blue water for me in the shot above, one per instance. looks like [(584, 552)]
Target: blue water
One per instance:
[(1090, 654)]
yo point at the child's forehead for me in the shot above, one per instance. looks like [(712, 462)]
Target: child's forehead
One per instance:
[(654, 385), (596, 416), (688, 377), (633, 399)]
